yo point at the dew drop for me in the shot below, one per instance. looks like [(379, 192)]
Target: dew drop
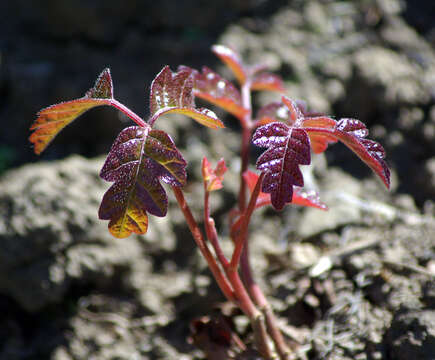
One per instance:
[(221, 85), (282, 112)]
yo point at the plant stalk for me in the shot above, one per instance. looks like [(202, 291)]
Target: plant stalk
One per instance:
[(222, 281), (131, 114), (245, 267), (231, 284)]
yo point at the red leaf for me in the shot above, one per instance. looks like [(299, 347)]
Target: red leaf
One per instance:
[(352, 133), (251, 179), (295, 116), (288, 111), (267, 81), (232, 60), (173, 93), (213, 177), (307, 198), (300, 196), (212, 87), (272, 112), (323, 130), (320, 142), (52, 120)]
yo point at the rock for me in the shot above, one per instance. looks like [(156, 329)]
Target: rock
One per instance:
[(50, 235), (340, 213)]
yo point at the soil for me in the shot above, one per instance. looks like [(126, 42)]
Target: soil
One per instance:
[(355, 282)]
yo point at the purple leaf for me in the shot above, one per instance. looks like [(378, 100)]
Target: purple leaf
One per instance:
[(173, 93), (287, 149), (139, 157)]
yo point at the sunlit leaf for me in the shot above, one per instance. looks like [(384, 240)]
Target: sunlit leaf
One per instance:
[(272, 112), (352, 133), (53, 119), (295, 115), (232, 60), (138, 159), (288, 147), (215, 89), (300, 197), (320, 141), (213, 177), (203, 116), (173, 93), (267, 81), (291, 112)]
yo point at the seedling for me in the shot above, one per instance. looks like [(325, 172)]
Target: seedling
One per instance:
[(142, 157)]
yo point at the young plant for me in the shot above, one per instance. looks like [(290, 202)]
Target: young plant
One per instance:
[(142, 157)]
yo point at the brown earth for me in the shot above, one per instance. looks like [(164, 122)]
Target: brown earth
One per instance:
[(356, 282)]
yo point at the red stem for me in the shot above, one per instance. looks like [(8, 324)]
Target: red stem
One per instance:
[(241, 239), (261, 301), (222, 281), (210, 230), (245, 302), (247, 125), (241, 235), (131, 114)]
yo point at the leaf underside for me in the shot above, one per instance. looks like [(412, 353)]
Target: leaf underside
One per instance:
[(173, 93), (138, 159), (53, 119)]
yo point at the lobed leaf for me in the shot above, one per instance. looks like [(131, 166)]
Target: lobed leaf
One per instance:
[(53, 119), (352, 133), (215, 89), (138, 159), (213, 177), (300, 195), (323, 130), (232, 59), (173, 93), (290, 112), (288, 147), (170, 90)]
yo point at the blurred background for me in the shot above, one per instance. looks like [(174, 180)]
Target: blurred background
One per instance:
[(369, 59)]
